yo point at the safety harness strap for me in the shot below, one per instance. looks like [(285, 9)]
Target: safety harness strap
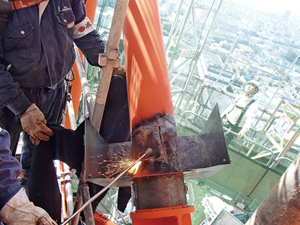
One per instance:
[(20, 4), (243, 112)]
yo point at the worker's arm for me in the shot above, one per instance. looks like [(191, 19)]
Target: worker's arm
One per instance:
[(9, 169), (32, 119), (85, 35), (11, 95), (87, 38), (15, 207)]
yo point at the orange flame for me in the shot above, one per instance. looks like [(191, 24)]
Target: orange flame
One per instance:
[(134, 169)]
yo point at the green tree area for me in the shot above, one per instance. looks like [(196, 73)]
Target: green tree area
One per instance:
[(195, 197)]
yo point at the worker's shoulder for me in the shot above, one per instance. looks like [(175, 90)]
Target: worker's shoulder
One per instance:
[(254, 104)]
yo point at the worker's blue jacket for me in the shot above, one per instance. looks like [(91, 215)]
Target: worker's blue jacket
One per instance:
[(10, 169), (39, 52)]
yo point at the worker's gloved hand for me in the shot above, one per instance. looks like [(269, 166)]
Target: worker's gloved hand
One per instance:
[(20, 211), (121, 70), (34, 123)]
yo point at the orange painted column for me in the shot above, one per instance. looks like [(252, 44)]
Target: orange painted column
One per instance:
[(179, 215), (160, 196), (90, 7), (149, 89), (76, 84)]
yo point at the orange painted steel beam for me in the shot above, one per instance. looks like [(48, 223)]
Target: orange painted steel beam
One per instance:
[(177, 215), (63, 194), (76, 84), (149, 89), (152, 120), (90, 7)]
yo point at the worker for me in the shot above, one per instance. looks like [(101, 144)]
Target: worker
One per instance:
[(15, 208), (68, 146), (239, 115), (36, 54)]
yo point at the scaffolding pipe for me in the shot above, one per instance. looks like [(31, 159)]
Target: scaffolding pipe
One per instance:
[(227, 58), (177, 104), (84, 83), (182, 25), (171, 34), (280, 84), (265, 128), (109, 60)]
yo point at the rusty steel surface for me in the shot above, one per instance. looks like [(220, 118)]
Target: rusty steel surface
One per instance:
[(172, 154), (197, 156), (206, 153), (159, 191), (282, 205), (159, 134)]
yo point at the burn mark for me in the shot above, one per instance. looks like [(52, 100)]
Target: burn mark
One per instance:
[(159, 134)]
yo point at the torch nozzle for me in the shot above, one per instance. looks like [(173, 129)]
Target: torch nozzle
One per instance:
[(148, 152)]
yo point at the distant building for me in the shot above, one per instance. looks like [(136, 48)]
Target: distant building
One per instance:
[(262, 99), (213, 73), (210, 58), (170, 6), (213, 206)]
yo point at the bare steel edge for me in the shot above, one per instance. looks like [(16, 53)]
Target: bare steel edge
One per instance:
[(201, 155), (194, 174)]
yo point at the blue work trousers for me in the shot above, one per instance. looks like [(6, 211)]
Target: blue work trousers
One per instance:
[(52, 104)]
